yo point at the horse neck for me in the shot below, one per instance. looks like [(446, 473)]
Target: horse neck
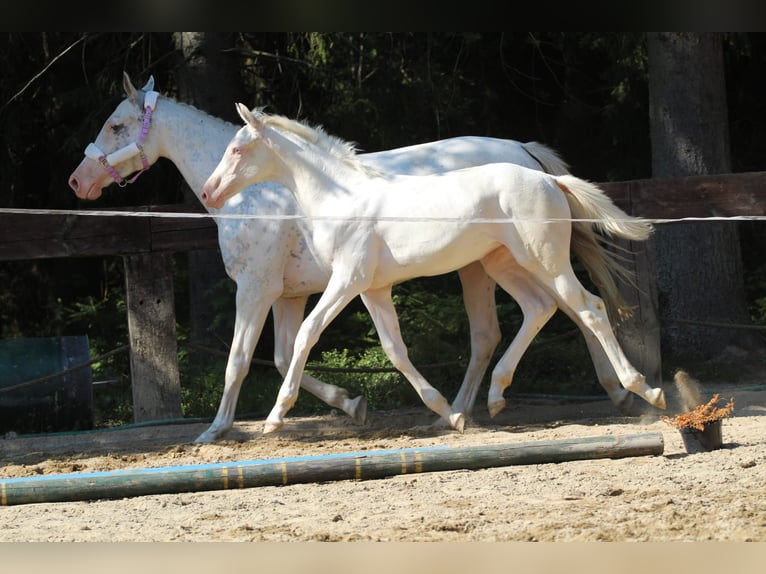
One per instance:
[(192, 139), (312, 174)]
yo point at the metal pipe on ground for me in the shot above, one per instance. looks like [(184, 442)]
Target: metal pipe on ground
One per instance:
[(319, 468)]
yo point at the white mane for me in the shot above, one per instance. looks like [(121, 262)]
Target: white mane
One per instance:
[(340, 149), (186, 106)]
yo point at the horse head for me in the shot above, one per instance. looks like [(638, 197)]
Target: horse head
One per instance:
[(121, 147)]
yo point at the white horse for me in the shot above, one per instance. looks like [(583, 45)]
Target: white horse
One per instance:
[(271, 262), (375, 229)]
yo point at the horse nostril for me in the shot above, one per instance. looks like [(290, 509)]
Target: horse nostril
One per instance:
[(73, 183)]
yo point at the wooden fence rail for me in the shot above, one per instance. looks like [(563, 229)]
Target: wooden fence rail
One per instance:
[(146, 243)]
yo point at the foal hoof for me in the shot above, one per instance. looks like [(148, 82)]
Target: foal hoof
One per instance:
[(272, 426), (358, 410), (457, 421), (495, 407)]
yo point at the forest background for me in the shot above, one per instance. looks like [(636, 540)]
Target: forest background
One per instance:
[(584, 94)]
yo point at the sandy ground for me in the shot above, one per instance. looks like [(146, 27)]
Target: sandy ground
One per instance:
[(675, 496)]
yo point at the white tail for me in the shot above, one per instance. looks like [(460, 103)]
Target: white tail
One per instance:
[(587, 201), (548, 158)]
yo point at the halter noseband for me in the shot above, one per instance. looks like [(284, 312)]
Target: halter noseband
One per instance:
[(127, 152)]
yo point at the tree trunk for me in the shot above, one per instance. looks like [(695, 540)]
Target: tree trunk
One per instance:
[(209, 80), (699, 267)]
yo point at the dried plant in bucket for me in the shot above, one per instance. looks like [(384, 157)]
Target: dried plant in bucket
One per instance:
[(700, 427), (702, 415)]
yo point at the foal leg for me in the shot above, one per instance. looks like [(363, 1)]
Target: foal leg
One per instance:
[(592, 313), (557, 276), (479, 301), (537, 307), (288, 315), (381, 308), (607, 377), (534, 301), (336, 296)]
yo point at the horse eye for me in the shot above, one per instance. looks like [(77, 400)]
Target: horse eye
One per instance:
[(117, 128), (236, 150)]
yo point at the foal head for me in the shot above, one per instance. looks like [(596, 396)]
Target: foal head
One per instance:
[(248, 159), (120, 148), (264, 148)]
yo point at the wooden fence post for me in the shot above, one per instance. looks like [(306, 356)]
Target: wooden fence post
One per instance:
[(155, 378)]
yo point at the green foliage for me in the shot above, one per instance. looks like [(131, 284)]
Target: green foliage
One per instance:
[(201, 389), (103, 318), (383, 390), (557, 363)]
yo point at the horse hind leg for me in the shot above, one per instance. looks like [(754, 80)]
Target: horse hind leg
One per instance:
[(381, 309), (574, 299), (607, 377), (537, 307), (534, 300), (479, 302)]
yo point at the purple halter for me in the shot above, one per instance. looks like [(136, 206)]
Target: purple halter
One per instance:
[(130, 150)]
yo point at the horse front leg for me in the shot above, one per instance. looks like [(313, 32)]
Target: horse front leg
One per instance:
[(336, 296), (288, 315), (381, 309), (248, 324)]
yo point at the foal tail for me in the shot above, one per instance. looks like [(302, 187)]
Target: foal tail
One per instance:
[(603, 218), (588, 202)]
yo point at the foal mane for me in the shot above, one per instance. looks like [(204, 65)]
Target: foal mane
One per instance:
[(340, 149)]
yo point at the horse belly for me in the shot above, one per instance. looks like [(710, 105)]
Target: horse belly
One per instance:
[(432, 248), (272, 253), (303, 274)]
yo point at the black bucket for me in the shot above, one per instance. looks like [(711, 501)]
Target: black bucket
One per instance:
[(702, 440)]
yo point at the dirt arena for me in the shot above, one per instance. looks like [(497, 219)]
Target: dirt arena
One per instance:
[(675, 496)]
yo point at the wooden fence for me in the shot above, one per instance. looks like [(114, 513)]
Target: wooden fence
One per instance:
[(147, 243)]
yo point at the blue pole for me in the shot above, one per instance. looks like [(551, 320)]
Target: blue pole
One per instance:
[(363, 465)]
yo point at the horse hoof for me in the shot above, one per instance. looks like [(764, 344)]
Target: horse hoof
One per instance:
[(209, 436), (457, 421), (204, 438), (359, 410), (495, 407), (656, 397), (272, 426)]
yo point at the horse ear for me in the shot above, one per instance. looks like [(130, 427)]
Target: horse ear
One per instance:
[(149, 84), (130, 89), (247, 116)]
